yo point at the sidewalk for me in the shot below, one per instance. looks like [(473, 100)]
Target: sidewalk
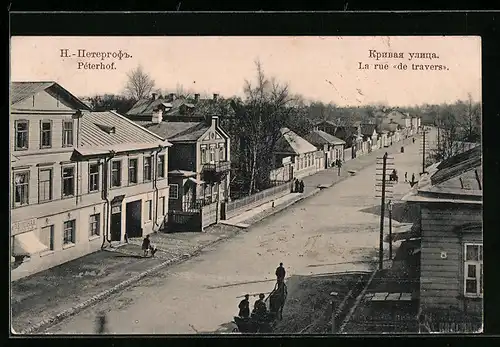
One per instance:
[(38, 299)]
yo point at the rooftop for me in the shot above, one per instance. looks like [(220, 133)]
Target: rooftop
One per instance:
[(113, 131), (290, 142), (176, 131), (319, 137)]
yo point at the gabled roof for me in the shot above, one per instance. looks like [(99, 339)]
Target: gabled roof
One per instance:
[(22, 90), (177, 131), (458, 165), (292, 143), (319, 137), (115, 132)]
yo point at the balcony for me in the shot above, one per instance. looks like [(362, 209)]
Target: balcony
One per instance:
[(217, 167), (215, 172)]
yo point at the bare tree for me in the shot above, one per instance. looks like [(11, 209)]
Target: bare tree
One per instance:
[(139, 84), (268, 107)]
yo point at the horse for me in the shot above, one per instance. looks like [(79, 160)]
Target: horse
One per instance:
[(277, 299)]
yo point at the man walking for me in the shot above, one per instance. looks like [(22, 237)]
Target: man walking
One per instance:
[(146, 244), (406, 176), (244, 307), (280, 273)]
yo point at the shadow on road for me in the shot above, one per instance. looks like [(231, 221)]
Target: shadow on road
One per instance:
[(402, 212)]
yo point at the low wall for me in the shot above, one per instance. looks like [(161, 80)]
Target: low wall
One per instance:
[(348, 154), (280, 174), (239, 206)]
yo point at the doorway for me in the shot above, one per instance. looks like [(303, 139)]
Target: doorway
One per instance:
[(116, 223), (133, 218)]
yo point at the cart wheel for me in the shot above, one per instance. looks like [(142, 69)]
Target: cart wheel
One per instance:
[(235, 330)]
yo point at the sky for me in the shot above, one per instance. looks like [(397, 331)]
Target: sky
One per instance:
[(323, 68)]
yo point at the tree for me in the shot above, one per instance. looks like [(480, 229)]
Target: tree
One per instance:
[(109, 102), (139, 84), (259, 118)]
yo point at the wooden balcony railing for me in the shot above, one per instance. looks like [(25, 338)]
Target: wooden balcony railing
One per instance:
[(217, 167)]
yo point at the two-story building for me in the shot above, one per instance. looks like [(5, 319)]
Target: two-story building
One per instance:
[(72, 171), (331, 146), (199, 160), (451, 250)]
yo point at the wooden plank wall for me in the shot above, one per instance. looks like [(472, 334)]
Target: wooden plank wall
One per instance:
[(441, 280)]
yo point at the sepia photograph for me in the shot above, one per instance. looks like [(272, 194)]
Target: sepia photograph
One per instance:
[(245, 185)]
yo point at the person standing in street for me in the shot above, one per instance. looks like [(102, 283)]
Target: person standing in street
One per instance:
[(146, 244), (280, 273), (412, 178), (244, 307), (301, 186), (406, 176)]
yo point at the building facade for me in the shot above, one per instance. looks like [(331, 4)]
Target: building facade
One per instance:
[(67, 187), (451, 256), (302, 153), (331, 146)]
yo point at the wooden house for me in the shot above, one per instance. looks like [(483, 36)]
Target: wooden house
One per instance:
[(303, 153), (331, 146), (451, 250)]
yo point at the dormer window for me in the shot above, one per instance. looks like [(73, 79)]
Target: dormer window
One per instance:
[(106, 128)]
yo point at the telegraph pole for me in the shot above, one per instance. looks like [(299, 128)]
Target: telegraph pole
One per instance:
[(383, 194), (423, 151)]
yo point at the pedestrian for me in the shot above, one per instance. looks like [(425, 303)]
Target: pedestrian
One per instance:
[(297, 184), (413, 139), (126, 238), (406, 176), (280, 273), (339, 165), (301, 186), (244, 307), (412, 178), (259, 307), (101, 323), (146, 244)]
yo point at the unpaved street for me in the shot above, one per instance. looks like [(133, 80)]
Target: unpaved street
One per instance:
[(326, 233)]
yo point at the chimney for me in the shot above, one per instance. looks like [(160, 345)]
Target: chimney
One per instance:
[(157, 116), (196, 97), (216, 96), (171, 96), (153, 96), (215, 121)]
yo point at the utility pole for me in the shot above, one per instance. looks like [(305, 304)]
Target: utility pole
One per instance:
[(423, 151), (389, 207), (383, 194)]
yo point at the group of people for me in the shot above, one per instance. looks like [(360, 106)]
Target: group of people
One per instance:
[(259, 307), (148, 247), (298, 186)]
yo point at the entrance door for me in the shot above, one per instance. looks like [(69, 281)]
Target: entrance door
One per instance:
[(116, 223), (133, 218)]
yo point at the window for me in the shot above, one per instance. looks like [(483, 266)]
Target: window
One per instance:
[(147, 168), (93, 177), (148, 209), (222, 154), (68, 176), (473, 271), (44, 185), (212, 155), (47, 236), (67, 133), (116, 173), (173, 193), (45, 134), (203, 155), (21, 188), (161, 166), (69, 232), (95, 224), (132, 171), (22, 133)]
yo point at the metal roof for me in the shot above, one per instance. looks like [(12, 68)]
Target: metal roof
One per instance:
[(319, 137), (290, 142), (177, 131), (93, 134)]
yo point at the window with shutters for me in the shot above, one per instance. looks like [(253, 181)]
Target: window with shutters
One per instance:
[(161, 166), (44, 185), (45, 134), (21, 188), (473, 270), (95, 225), (93, 177), (147, 169), (173, 192), (132, 171), (47, 237), (22, 132), (68, 184), (69, 232), (116, 173), (67, 133)]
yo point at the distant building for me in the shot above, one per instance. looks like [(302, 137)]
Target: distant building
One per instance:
[(303, 153), (332, 147)]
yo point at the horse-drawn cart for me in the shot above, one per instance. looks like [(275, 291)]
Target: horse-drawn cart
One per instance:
[(263, 323)]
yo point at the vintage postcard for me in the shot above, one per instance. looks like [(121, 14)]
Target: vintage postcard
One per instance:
[(234, 185)]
